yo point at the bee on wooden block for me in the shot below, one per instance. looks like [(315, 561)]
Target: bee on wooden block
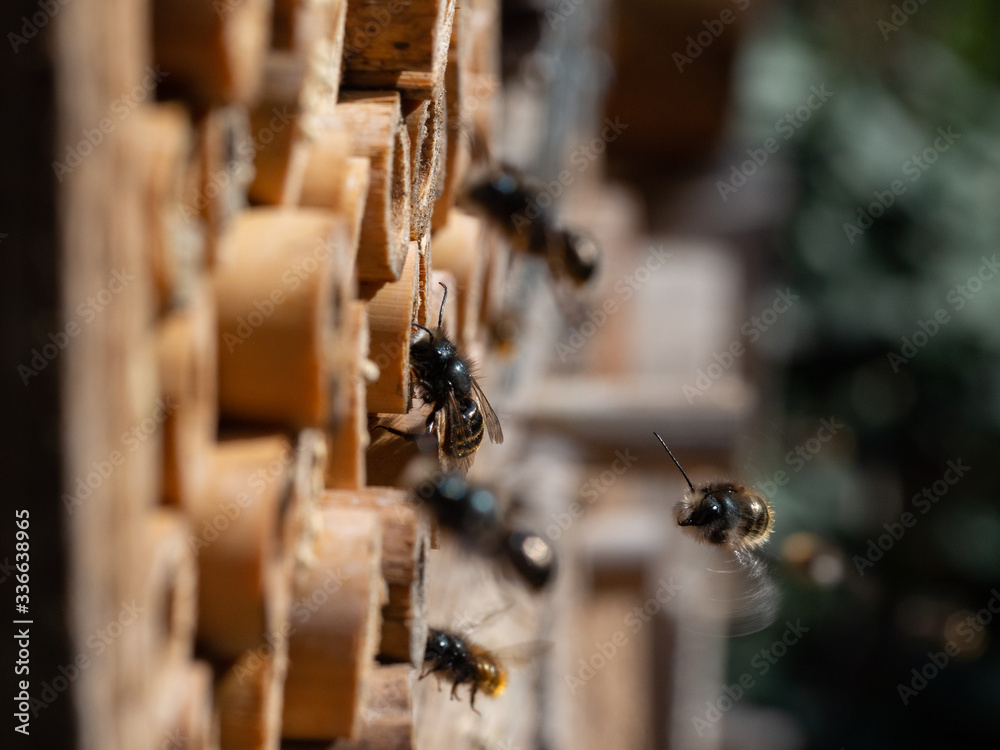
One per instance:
[(513, 203), (463, 662), (460, 413), (473, 514), (732, 516)]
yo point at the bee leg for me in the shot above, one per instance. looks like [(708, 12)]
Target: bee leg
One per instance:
[(472, 698), (400, 433)]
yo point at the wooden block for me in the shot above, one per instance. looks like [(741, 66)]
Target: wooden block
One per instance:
[(186, 347), (458, 249), (169, 596), (390, 317), (348, 436), (211, 50), (238, 527), (175, 247), (335, 626), (399, 45), (387, 714), (250, 696), (274, 287), (225, 167), (426, 121), (405, 544), (375, 120)]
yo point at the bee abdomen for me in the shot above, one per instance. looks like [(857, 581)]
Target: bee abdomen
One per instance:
[(756, 522)]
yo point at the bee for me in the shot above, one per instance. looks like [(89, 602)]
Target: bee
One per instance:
[(463, 662), (510, 201), (732, 516), (472, 513), (460, 412), (724, 513)]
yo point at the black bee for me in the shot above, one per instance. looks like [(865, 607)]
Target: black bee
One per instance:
[(732, 516), (511, 203), (472, 513), (460, 411), (464, 662)]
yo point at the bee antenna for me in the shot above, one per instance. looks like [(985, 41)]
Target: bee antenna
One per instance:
[(675, 461), (443, 299)]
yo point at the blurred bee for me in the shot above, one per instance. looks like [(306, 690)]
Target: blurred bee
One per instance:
[(464, 662), (735, 517), (459, 409), (472, 513), (510, 201)]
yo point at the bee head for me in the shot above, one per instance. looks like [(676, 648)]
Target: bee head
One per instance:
[(532, 556), (710, 515)]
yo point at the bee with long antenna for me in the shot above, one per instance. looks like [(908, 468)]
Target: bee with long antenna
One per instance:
[(463, 662), (734, 517), (460, 412), (723, 513), (472, 513)]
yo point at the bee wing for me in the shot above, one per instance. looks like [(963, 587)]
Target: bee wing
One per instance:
[(452, 429), (520, 654), (754, 603), (493, 428)]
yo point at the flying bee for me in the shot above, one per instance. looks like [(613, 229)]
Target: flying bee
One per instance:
[(724, 513), (735, 517), (472, 513), (460, 411), (510, 201), (464, 662)]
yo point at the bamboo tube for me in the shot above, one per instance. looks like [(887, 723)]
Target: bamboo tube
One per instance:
[(458, 249), (274, 125), (405, 544), (249, 696), (387, 714), (186, 345), (238, 531), (456, 155), (404, 46), (225, 168), (212, 51), (335, 625), (390, 317), (348, 438), (325, 153), (426, 123), (176, 247), (274, 288), (423, 278), (376, 122)]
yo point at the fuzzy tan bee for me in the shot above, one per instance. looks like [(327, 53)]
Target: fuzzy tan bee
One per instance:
[(463, 662)]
